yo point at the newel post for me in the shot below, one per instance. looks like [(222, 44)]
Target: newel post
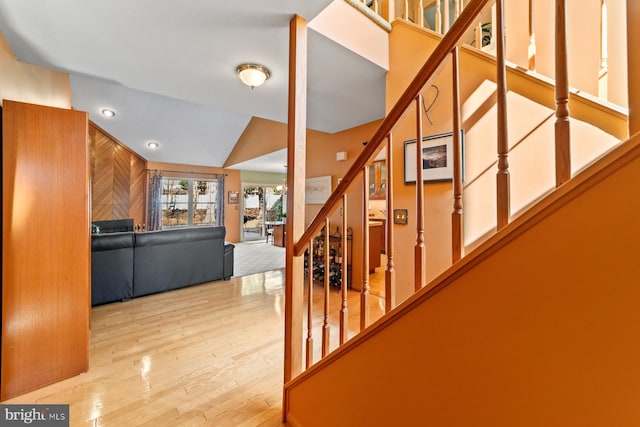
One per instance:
[(296, 157)]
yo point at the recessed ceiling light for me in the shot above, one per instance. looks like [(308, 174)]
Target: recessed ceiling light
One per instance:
[(107, 112), (153, 145)]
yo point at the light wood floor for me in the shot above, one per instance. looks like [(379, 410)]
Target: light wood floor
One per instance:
[(205, 355)]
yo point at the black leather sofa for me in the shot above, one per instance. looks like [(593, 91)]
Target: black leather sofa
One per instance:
[(127, 265)]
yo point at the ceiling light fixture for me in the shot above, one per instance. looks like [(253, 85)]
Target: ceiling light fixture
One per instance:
[(107, 112), (153, 145), (252, 75)]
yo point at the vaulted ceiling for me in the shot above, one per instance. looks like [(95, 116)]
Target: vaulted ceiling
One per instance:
[(167, 68)]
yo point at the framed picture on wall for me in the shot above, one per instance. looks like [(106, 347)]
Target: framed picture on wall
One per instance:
[(317, 190), (437, 158), (233, 197)]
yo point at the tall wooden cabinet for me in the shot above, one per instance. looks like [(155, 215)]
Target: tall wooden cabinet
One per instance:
[(45, 247)]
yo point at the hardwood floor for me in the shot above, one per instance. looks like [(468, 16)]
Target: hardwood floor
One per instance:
[(205, 355)]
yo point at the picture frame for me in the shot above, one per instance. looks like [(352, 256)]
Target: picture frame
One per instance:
[(437, 162), (233, 197), (317, 190)]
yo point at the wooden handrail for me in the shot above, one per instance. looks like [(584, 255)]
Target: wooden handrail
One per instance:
[(434, 63)]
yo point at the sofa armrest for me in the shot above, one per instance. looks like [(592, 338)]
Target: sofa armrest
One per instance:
[(111, 267), (228, 260)]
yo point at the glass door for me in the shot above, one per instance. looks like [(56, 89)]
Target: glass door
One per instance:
[(262, 209)]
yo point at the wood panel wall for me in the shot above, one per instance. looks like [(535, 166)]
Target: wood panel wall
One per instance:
[(118, 179), (46, 246)]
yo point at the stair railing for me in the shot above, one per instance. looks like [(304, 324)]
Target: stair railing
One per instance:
[(446, 50), (485, 30)]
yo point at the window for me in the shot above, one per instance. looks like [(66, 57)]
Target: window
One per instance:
[(191, 202)]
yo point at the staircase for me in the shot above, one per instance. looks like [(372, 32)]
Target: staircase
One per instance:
[(521, 317)]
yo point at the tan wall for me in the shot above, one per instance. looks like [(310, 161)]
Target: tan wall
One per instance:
[(271, 134), (539, 329), (530, 129), (29, 83), (321, 161), (231, 183), (583, 28), (260, 137), (618, 77), (634, 65)]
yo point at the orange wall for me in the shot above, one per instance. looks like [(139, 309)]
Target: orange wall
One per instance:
[(634, 65), (530, 127), (29, 83), (539, 327), (231, 183), (321, 161), (409, 49), (272, 136), (583, 42)]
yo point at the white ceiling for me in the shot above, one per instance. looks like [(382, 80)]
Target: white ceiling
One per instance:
[(167, 67)]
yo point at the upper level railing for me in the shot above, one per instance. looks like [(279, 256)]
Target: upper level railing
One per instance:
[(322, 265), (601, 70)]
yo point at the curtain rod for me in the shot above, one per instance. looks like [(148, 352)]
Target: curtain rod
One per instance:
[(193, 173)]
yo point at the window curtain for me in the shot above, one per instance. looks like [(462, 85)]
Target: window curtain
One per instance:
[(220, 198), (155, 201)]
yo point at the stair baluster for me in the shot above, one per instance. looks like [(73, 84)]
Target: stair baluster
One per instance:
[(390, 274), (327, 275), (309, 342), (502, 178), (344, 309), (364, 291), (457, 239), (420, 256), (563, 155)]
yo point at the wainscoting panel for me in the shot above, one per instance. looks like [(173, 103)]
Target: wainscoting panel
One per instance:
[(119, 179), (138, 190), (102, 175), (121, 186)]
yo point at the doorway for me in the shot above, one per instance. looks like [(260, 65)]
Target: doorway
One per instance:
[(262, 207)]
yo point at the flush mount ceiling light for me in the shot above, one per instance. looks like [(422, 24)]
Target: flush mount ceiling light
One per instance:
[(252, 75), (153, 145), (107, 112)]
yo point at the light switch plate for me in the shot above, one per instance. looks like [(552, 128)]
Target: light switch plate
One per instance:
[(400, 216)]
